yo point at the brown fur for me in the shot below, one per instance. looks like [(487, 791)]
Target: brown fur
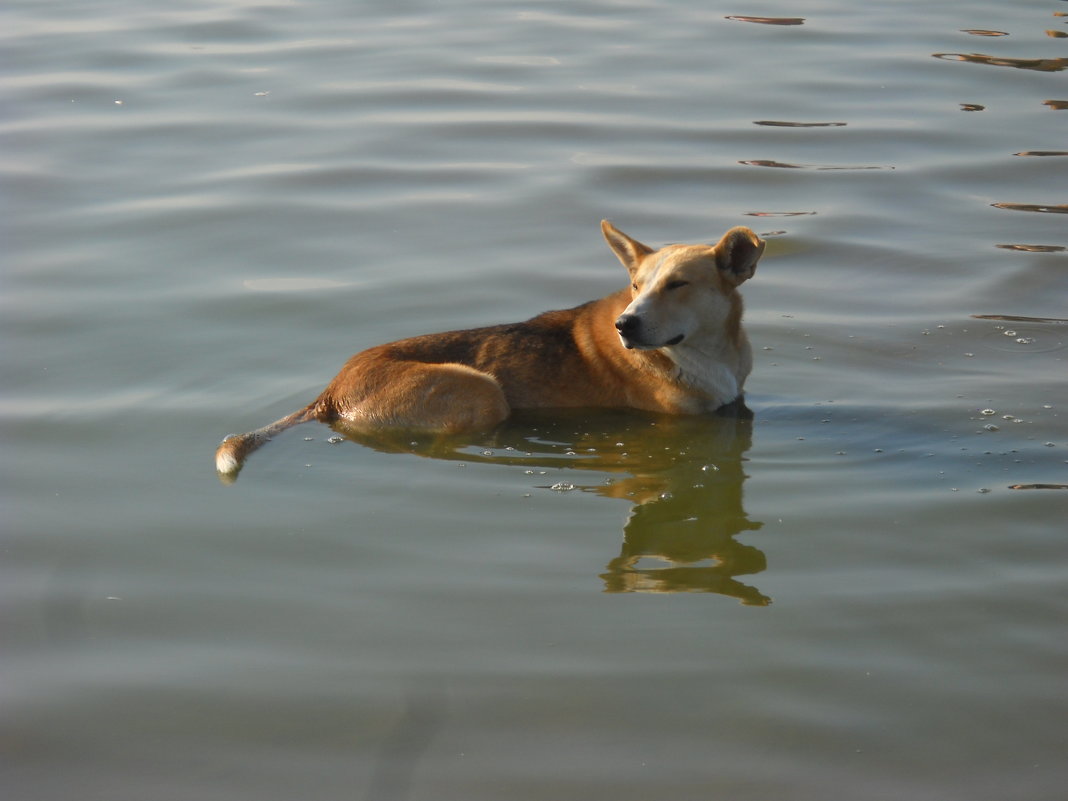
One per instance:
[(672, 342)]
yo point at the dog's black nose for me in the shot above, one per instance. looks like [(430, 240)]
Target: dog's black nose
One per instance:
[(626, 324)]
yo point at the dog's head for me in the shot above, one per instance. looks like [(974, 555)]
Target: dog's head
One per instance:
[(681, 293)]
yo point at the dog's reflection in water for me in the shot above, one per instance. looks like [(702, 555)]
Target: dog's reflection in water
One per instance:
[(684, 476)]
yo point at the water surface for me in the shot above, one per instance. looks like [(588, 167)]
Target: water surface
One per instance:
[(210, 206)]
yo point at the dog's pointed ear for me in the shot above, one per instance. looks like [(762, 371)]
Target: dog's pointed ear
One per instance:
[(629, 251), (737, 254)]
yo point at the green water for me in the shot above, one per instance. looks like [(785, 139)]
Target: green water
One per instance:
[(210, 207)]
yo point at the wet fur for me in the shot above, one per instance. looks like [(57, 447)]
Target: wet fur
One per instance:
[(671, 342)]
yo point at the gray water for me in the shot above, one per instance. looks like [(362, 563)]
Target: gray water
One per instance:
[(209, 206)]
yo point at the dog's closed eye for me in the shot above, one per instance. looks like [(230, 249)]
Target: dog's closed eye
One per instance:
[(676, 284)]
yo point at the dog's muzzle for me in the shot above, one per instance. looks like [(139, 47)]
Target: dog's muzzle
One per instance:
[(628, 326)]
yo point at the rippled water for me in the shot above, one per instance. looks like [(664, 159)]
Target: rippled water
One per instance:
[(860, 594)]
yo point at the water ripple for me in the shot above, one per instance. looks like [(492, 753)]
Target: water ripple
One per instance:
[(785, 124), (1037, 64), (768, 20), (1034, 248), (1060, 209), (785, 165), (779, 213)]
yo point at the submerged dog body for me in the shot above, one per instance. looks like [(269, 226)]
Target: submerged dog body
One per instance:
[(672, 342)]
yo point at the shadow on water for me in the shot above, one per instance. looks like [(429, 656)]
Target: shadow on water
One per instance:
[(684, 477)]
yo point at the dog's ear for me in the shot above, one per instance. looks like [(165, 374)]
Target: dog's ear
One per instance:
[(737, 254), (627, 250)]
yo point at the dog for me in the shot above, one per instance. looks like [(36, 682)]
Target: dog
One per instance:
[(671, 342)]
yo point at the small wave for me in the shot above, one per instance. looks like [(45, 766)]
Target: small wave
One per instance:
[(1015, 318), (786, 165), (1038, 64), (1059, 209), (786, 124), (768, 20), (779, 213), (1034, 248)]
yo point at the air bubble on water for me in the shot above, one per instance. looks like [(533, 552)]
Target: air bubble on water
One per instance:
[(309, 439), (983, 490), (334, 440), (487, 453), (987, 412), (1007, 417), (570, 453), (969, 355), (528, 472), (1051, 445), (709, 468), (1025, 340), (1009, 333), (991, 427), (562, 486), (666, 496)]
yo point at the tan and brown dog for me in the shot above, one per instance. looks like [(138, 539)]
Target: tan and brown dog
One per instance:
[(671, 342)]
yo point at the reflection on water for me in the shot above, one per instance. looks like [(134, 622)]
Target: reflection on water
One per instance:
[(769, 20), (1059, 209), (1038, 64), (684, 477), (787, 124), (779, 213), (1018, 319), (1034, 248), (783, 164)]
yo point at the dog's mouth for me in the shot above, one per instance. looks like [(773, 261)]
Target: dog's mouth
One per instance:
[(631, 344)]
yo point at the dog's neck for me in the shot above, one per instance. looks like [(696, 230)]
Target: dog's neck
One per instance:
[(714, 370)]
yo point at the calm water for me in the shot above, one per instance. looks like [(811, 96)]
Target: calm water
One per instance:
[(208, 206)]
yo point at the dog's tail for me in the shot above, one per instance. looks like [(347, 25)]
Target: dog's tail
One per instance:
[(232, 451)]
